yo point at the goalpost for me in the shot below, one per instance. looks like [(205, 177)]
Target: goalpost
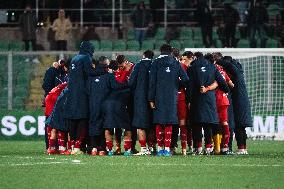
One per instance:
[(264, 75)]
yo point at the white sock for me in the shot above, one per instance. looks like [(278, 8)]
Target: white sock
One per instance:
[(167, 148)]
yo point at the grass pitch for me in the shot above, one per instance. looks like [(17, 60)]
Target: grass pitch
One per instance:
[(23, 164)]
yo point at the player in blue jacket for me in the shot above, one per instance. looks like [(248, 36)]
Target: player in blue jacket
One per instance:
[(139, 84), (163, 89)]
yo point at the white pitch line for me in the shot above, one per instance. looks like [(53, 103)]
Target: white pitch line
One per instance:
[(29, 164), (199, 164)]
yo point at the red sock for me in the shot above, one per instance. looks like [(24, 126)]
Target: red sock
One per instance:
[(127, 145), (183, 136), (52, 143), (168, 135), (61, 138), (77, 144), (189, 138), (208, 145), (159, 135), (142, 143), (241, 147), (109, 145), (225, 136), (199, 144)]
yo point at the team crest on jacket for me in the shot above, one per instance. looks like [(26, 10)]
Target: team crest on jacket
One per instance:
[(168, 69), (203, 69), (73, 66)]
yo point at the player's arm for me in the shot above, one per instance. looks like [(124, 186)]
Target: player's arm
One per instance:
[(90, 70), (54, 26), (221, 82), (211, 87), (132, 81), (152, 85), (116, 85), (231, 84)]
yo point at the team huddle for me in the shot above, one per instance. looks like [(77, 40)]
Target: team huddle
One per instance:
[(90, 103)]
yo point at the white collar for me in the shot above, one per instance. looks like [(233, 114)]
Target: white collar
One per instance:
[(163, 55), (145, 59)]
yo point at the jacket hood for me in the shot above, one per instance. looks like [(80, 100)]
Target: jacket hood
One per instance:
[(87, 48)]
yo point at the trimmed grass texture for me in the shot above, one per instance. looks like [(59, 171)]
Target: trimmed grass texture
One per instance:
[(23, 164)]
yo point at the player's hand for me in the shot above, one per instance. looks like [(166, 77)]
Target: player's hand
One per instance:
[(188, 106), (203, 89), (128, 66), (152, 105)]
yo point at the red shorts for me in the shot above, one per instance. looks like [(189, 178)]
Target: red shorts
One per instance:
[(181, 109), (223, 113)]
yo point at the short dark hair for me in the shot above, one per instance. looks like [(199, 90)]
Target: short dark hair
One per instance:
[(166, 48), (209, 57), (120, 59), (148, 54), (188, 54), (198, 54), (113, 65), (217, 56), (102, 58), (175, 52)]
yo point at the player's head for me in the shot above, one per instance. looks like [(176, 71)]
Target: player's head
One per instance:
[(198, 55), (209, 57), (227, 59), (67, 64), (217, 56), (187, 57), (113, 65), (121, 61), (104, 60), (87, 47), (148, 54), (175, 53), (166, 49)]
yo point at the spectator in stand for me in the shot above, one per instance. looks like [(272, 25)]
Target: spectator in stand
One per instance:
[(257, 18), (141, 18), (28, 23), (91, 34), (230, 19), (61, 26), (242, 8), (205, 20)]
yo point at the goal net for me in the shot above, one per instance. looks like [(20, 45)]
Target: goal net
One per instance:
[(264, 75)]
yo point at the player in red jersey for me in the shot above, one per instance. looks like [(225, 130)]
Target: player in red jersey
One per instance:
[(50, 101), (185, 135)]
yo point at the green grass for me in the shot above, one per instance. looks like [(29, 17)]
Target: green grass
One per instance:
[(23, 164)]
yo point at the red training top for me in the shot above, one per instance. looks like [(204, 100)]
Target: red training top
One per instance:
[(221, 97), (181, 92), (51, 98), (122, 76)]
